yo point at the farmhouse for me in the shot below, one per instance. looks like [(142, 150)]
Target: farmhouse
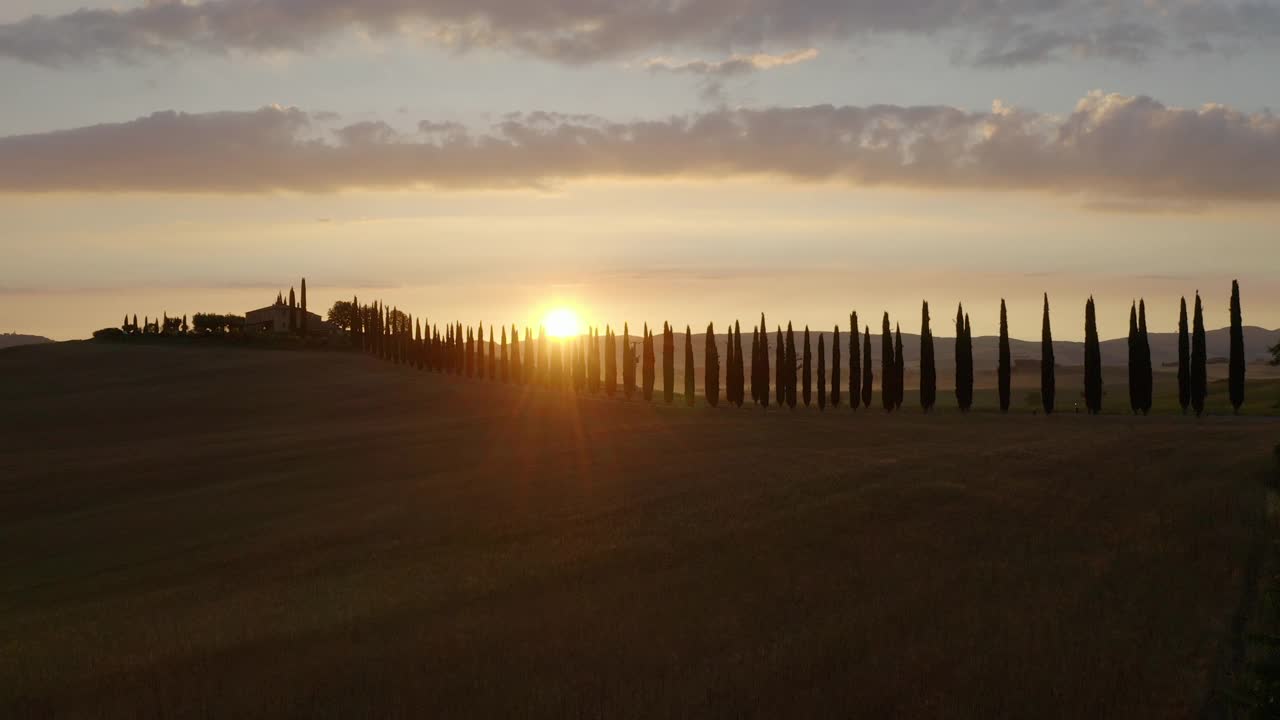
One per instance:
[(275, 319)]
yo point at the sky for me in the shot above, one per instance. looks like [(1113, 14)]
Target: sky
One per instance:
[(640, 161)]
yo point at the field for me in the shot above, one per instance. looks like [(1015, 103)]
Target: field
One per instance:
[(203, 532)]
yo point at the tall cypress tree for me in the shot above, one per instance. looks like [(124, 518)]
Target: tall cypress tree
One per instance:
[(1235, 376), (556, 370), (822, 374), (417, 343), (1144, 351), (544, 357), (899, 368), (968, 364), (711, 369), (755, 365), (304, 307), (806, 374), (1135, 387), (780, 369), (960, 359), (855, 363), (504, 359), (529, 368), (610, 363), (492, 357), (928, 363), (649, 362), (888, 366), (1199, 361), (1092, 360), (1184, 359), (1048, 379), (790, 364), (668, 364), (293, 313), (688, 367), (628, 364), (357, 334), (739, 371), (1005, 369), (835, 366), (868, 372), (764, 363)]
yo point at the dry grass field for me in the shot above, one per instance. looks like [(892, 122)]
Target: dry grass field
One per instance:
[(234, 533)]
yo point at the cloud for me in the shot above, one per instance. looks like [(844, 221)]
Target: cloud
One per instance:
[(735, 66), (1111, 150), (985, 32)]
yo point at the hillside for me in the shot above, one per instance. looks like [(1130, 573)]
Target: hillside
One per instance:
[(8, 340), (229, 533)]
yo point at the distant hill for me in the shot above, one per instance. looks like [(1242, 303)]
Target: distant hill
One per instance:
[(13, 340)]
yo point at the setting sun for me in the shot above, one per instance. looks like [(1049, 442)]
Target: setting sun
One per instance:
[(562, 322)]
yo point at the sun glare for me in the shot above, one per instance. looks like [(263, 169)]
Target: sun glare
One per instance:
[(562, 322)]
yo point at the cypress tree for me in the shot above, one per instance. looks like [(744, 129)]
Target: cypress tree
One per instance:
[(855, 363), (493, 363), (1184, 359), (968, 364), (469, 360), (888, 366), (928, 363), (628, 364), (304, 307), (688, 367), (780, 372), (868, 373), (822, 374), (1092, 360), (835, 367), (504, 360), (739, 367), (357, 333), (529, 368), (960, 359), (806, 372), (544, 358), (668, 363), (1199, 360), (1005, 368), (555, 373), (755, 365), (610, 363), (649, 362), (480, 361), (791, 367), (293, 310), (764, 363), (417, 344), (1048, 380), (1135, 387), (1144, 352), (899, 368), (711, 369), (1235, 377)]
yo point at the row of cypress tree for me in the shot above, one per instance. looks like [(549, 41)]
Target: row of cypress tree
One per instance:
[(577, 364)]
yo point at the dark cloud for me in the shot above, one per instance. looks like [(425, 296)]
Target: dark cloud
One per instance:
[(1111, 150), (990, 32)]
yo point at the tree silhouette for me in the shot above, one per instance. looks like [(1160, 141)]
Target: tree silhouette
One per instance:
[(304, 307), (764, 363), (1184, 358), (417, 344), (1092, 360), (529, 368), (755, 365), (855, 363), (293, 318), (806, 374), (628, 364), (964, 361), (1005, 367), (1199, 361), (822, 374), (556, 372), (888, 366), (835, 367), (1048, 379), (688, 367), (480, 360), (899, 368), (493, 363), (780, 369), (610, 363), (928, 363), (791, 366), (1135, 386), (649, 362), (668, 363), (504, 359), (1144, 351), (739, 369), (711, 369), (868, 372), (1235, 372)]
